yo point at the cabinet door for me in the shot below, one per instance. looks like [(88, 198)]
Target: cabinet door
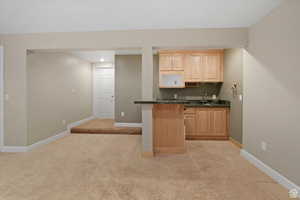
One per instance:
[(194, 68), (219, 123), (187, 69), (203, 125), (177, 62), (190, 124), (165, 62), (212, 68)]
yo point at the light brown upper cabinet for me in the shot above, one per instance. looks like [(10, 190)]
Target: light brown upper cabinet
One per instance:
[(171, 70), (171, 62), (213, 67), (193, 71), (204, 66), (197, 66), (165, 62), (178, 60)]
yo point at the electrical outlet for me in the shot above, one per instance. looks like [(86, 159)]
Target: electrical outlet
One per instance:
[(293, 193), (64, 122), (122, 114), (263, 146)]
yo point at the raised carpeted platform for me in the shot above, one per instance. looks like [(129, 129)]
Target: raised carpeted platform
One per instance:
[(104, 126)]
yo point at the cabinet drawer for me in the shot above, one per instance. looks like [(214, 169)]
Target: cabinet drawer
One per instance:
[(189, 110)]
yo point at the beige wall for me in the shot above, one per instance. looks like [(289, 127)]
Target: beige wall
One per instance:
[(233, 72), (128, 88), (59, 87), (271, 90), (15, 47)]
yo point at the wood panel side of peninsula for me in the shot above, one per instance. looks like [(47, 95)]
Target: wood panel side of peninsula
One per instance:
[(168, 128)]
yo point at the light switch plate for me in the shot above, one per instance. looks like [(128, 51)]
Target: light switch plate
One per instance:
[(6, 97), (263, 146)]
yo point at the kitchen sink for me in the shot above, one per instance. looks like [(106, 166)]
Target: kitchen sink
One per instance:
[(207, 102)]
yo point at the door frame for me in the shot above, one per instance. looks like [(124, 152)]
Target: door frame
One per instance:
[(1, 97), (94, 85)]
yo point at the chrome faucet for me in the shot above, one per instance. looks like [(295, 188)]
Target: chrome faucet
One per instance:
[(175, 96), (205, 97)]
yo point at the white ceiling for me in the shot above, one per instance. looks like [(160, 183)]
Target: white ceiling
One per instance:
[(29, 16), (95, 56), (107, 56)]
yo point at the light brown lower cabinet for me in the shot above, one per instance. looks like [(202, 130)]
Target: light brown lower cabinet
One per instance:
[(207, 123)]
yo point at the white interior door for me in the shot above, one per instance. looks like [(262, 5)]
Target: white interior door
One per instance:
[(104, 91), (1, 98)]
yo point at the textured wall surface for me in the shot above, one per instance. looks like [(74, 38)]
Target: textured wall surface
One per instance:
[(233, 72), (271, 107), (128, 87), (59, 88)]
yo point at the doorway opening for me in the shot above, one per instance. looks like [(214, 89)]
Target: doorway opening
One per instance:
[(70, 88), (104, 90)]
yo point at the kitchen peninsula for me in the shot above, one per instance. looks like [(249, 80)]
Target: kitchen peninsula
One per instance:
[(174, 121), (167, 123)]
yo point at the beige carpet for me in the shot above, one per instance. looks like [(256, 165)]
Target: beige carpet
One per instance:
[(110, 167), (105, 126)]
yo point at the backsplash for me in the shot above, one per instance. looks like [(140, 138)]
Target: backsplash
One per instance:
[(204, 89)]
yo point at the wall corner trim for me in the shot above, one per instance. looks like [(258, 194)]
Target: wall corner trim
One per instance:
[(148, 154), (235, 142), (269, 171), (120, 124)]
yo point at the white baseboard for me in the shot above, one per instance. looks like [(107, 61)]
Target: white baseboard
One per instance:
[(269, 171), (35, 145), (48, 140), (45, 141), (79, 122), (14, 149), (119, 124)]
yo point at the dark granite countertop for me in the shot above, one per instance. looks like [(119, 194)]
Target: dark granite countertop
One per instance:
[(187, 103), (161, 101)]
